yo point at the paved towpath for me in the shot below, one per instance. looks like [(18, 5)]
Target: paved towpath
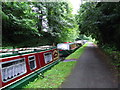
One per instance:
[(91, 71)]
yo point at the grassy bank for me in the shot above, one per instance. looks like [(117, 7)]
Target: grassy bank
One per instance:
[(53, 78), (77, 53)]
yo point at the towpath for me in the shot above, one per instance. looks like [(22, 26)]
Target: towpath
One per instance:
[(91, 71)]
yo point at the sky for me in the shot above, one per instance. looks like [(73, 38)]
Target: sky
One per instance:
[(76, 4)]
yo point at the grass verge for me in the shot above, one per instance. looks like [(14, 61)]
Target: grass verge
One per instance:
[(54, 77), (77, 53)]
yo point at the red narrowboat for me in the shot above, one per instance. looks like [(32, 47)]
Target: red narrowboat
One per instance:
[(22, 66)]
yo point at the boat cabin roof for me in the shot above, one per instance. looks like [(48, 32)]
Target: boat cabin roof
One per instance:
[(65, 43), (26, 51)]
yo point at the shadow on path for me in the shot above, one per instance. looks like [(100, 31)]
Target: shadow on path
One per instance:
[(91, 72)]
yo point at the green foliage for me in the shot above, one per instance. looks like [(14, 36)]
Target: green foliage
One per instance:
[(114, 55), (101, 21), (22, 23), (54, 77), (19, 25), (87, 18), (61, 22)]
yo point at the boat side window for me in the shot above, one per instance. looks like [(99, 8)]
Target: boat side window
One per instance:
[(13, 69), (48, 57), (72, 46), (32, 62)]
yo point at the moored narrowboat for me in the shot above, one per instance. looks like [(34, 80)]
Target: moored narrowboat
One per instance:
[(22, 66), (66, 48)]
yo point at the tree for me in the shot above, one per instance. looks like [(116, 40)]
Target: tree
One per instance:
[(19, 24), (101, 21), (33, 23)]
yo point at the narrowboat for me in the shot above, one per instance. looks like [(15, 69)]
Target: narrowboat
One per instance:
[(19, 67), (79, 42), (66, 48)]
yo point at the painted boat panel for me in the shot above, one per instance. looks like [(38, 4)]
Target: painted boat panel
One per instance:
[(40, 62)]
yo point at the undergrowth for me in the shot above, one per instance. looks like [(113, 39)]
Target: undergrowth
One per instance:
[(114, 55)]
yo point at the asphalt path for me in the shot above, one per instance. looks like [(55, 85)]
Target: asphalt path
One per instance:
[(91, 71)]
